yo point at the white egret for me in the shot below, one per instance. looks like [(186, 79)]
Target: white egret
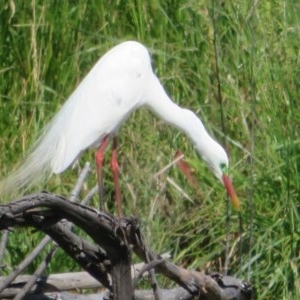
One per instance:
[(119, 83)]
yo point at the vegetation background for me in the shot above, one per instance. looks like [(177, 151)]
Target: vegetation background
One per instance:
[(251, 48)]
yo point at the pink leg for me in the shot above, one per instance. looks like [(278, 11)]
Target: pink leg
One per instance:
[(115, 171), (99, 164)]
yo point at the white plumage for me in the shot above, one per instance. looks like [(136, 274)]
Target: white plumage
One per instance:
[(120, 82)]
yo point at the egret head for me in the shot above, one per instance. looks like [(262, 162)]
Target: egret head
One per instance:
[(217, 160)]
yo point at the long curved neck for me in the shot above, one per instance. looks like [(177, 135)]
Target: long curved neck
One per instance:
[(185, 120)]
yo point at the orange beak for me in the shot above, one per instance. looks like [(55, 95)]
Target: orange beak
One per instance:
[(231, 192)]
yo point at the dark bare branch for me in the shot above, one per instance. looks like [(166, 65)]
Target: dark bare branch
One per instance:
[(114, 236)]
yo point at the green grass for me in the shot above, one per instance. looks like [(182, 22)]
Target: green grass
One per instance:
[(48, 46)]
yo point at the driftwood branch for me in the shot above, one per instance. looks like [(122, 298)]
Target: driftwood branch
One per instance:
[(114, 238), (62, 282)]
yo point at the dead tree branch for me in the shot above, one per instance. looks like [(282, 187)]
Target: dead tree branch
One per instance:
[(114, 239)]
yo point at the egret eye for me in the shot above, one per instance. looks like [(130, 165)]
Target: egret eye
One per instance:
[(224, 168)]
